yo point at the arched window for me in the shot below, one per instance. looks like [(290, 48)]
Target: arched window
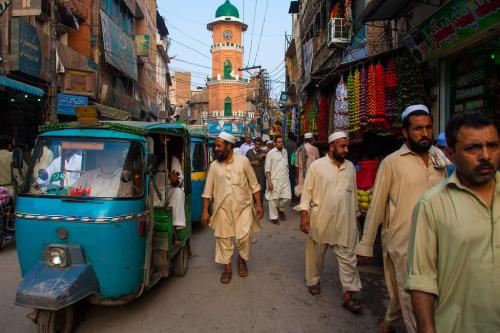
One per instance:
[(227, 69), (228, 107)]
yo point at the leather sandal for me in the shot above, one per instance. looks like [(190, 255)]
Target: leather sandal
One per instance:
[(225, 277), (352, 306), (315, 289), (242, 267)]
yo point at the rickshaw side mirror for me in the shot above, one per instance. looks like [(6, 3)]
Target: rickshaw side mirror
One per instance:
[(150, 164), (17, 158)]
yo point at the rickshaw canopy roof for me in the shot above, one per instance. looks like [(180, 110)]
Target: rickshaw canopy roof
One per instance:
[(140, 128)]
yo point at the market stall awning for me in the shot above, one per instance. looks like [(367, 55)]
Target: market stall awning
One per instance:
[(5, 81), (380, 10), (112, 113)]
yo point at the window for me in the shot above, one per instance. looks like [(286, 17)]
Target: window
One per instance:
[(227, 69), (199, 160), (91, 168), (228, 107)]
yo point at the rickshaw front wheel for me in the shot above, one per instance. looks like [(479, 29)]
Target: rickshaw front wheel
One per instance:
[(181, 262), (60, 321)]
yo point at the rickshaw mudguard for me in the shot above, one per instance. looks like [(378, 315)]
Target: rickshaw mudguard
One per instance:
[(53, 288)]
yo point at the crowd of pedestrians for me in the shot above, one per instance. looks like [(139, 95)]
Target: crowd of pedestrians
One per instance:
[(438, 207)]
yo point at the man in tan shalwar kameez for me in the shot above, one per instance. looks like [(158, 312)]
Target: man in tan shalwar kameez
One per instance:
[(401, 180), (230, 185), (306, 154), (329, 209)]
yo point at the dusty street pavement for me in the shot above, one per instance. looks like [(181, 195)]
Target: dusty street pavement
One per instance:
[(273, 298)]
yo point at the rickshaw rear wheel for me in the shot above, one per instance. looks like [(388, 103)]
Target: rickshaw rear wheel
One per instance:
[(181, 262), (60, 321)]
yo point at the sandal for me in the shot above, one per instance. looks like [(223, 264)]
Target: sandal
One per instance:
[(225, 277), (314, 290), (352, 305), (383, 327), (242, 267)]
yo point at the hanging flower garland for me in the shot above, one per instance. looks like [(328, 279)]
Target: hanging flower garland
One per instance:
[(357, 101), (380, 96), (410, 88), (391, 94), (313, 119), (363, 105), (341, 107), (350, 101), (348, 13), (372, 108), (323, 120), (331, 115)]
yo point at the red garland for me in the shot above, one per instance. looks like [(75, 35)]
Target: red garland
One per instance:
[(380, 96), (372, 93), (323, 120)]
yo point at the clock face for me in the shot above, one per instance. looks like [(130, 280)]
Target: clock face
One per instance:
[(228, 34)]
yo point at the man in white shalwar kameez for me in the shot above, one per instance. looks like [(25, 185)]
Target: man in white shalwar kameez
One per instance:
[(230, 185), (278, 190), (329, 209)]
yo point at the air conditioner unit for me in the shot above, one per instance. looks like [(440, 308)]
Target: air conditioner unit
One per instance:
[(339, 35)]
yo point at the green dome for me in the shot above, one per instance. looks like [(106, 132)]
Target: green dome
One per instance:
[(227, 9)]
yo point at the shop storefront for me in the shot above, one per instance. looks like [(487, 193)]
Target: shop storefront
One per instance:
[(464, 36)]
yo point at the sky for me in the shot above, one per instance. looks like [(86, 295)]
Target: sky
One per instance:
[(190, 40)]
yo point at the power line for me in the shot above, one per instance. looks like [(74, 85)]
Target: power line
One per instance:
[(253, 29), (191, 63), (189, 47), (188, 35), (261, 31)]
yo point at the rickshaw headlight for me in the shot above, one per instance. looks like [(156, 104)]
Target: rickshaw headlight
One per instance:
[(57, 257)]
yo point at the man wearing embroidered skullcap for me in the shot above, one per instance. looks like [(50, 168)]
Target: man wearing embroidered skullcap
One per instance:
[(306, 154), (329, 209), (401, 179), (230, 185)]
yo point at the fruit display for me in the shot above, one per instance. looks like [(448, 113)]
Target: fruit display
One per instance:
[(364, 199)]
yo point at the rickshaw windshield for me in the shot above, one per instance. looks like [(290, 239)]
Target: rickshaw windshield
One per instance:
[(91, 168)]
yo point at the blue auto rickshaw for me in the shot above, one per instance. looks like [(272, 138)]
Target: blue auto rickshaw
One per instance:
[(200, 161), (88, 225)]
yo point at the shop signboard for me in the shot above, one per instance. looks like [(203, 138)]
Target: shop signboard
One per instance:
[(26, 7), (142, 44), (29, 49), (66, 104), (308, 57), (453, 24), (3, 6), (215, 127), (79, 82), (283, 97), (119, 48)]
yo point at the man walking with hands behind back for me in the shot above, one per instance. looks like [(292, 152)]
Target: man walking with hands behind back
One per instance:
[(454, 265), (402, 178), (329, 207), (278, 183), (230, 185)]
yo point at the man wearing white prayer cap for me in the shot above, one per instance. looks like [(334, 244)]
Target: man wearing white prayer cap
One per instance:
[(329, 209), (231, 184), (402, 178), (306, 154)]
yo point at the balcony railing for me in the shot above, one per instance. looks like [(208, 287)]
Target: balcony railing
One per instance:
[(338, 33)]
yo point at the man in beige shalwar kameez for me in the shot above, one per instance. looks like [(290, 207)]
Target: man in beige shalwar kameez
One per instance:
[(230, 185), (401, 179), (329, 209), (306, 154)]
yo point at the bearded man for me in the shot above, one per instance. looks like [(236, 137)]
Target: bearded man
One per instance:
[(402, 178), (230, 185), (454, 271), (329, 207)]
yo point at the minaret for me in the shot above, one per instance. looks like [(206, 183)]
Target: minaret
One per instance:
[(226, 87)]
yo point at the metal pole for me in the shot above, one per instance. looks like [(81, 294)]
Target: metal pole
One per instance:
[(51, 110)]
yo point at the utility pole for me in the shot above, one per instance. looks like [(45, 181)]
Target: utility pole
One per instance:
[(51, 110)]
